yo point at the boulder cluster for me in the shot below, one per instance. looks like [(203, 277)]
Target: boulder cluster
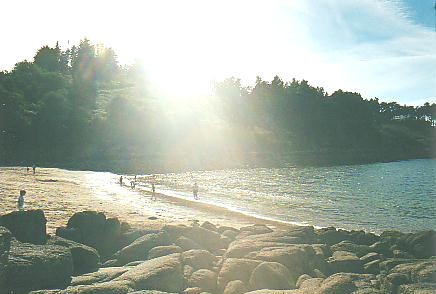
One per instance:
[(99, 255)]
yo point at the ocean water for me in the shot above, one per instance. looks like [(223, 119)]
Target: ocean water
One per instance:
[(373, 197)]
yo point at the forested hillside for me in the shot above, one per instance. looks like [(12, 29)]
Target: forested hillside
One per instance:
[(79, 108)]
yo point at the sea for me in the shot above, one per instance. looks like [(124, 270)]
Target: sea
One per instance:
[(372, 197)]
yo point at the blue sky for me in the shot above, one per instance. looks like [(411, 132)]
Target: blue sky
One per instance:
[(379, 48)]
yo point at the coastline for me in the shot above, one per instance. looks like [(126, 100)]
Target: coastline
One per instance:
[(61, 193)]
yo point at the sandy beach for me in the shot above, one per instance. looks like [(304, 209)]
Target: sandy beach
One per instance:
[(61, 193)]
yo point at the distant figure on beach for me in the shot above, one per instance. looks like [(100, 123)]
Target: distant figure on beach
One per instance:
[(132, 184), (34, 169), (195, 190), (153, 192), (135, 178), (28, 169), (121, 180), (21, 200)]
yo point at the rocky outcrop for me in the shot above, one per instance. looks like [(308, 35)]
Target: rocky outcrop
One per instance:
[(33, 267), (26, 226), (218, 259), (271, 275), (204, 279), (138, 250), (199, 259), (235, 287), (159, 251), (85, 258), (162, 273), (344, 261), (5, 244), (93, 229), (236, 269)]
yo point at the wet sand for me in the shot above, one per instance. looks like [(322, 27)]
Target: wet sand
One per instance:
[(61, 193)]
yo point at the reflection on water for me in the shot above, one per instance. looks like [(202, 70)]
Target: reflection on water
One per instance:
[(373, 197)]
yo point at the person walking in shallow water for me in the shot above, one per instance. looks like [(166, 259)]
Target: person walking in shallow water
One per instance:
[(153, 192), (21, 200), (195, 191)]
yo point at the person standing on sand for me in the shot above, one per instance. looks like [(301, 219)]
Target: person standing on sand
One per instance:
[(34, 169), (121, 181), (21, 200), (28, 169), (153, 192), (195, 191)]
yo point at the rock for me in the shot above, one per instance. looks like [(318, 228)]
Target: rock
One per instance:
[(372, 267), (331, 236), (5, 244), (33, 267), (235, 287), (204, 279), (198, 258), (134, 263), (421, 244), (72, 234), (90, 224), (382, 247), (298, 258), (174, 231), (85, 259), (192, 290), (126, 238), (388, 264), (311, 285), (397, 278), (161, 273), (112, 287), (159, 251), (221, 229), (209, 226), (359, 250), (370, 257), (301, 279), (138, 250), (187, 244), (402, 254), (344, 261), (255, 229), (235, 269), (271, 275), (420, 271), (363, 238), (225, 241), (418, 289), (337, 283), (149, 292), (187, 272), (209, 240), (100, 276), (111, 263), (293, 235), (26, 226), (231, 234), (97, 231), (267, 291)]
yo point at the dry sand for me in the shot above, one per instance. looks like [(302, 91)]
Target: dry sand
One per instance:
[(61, 193)]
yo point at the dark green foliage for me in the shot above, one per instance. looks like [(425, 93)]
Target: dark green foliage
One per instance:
[(79, 108)]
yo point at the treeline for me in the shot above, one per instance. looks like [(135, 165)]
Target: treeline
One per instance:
[(79, 108)]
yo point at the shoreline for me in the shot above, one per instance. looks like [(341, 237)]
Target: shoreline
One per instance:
[(86, 190)]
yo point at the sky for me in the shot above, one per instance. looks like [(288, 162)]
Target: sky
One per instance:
[(379, 48)]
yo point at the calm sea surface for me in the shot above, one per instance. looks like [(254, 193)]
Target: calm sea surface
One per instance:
[(373, 197)]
